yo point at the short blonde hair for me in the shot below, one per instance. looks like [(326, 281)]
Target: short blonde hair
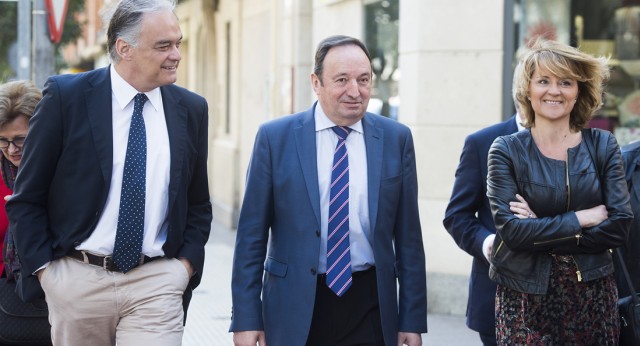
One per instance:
[(562, 61), (18, 98)]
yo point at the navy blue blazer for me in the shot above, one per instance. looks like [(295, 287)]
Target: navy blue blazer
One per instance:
[(65, 173), (631, 251), (278, 240), (468, 219)]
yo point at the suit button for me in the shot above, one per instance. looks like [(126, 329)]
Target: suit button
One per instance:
[(313, 271), (317, 233)]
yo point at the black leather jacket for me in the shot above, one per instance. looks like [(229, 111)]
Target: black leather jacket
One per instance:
[(523, 248)]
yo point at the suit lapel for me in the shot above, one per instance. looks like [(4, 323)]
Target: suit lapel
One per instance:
[(373, 141), (176, 117), (100, 117), (305, 136), (100, 120), (512, 125)]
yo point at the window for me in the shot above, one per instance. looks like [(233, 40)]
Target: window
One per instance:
[(381, 38)]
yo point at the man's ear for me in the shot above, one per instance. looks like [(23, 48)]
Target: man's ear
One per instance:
[(316, 83), (123, 49)]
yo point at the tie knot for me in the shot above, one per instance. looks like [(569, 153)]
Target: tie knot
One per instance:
[(341, 131), (139, 100)]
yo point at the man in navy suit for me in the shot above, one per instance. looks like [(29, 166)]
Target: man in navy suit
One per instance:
[(282, 282), (468, 219), (80, 174), (631, 251)]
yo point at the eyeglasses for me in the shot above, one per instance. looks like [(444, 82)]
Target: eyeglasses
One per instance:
[(18, 142)]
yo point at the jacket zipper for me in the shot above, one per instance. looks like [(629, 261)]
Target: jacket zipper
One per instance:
[(577, 236), (499, 247), (568, 189), (566, 176), (553, 240), (578, 269)]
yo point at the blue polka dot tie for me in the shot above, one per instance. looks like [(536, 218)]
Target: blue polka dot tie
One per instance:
[(338, 247), (128, 246)]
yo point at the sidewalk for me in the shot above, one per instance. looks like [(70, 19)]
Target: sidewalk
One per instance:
[(210, 310)]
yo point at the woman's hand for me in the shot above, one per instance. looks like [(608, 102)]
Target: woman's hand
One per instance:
[(521, 208), (593, 216)]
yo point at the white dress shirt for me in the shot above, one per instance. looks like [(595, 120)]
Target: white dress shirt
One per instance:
[(360, 236), (103, 237)]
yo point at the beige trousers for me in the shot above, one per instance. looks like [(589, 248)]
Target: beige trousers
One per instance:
[(91, 306)]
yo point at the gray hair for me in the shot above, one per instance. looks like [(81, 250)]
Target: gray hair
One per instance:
[(125, 21)]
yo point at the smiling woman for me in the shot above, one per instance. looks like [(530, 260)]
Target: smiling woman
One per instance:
[(552, 97), (555, 217), (565, 64)]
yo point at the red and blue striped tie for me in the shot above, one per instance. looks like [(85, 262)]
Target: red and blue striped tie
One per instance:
[(338, 256)]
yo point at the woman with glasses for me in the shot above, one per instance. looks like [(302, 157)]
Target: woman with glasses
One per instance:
[(18, 101)]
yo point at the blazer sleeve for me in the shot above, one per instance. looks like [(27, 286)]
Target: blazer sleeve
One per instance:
[(410, 256), (198, 223), (461, 217), (251, 240)]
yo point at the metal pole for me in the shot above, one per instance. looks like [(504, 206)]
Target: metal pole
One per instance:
[(43, 53), (24, 39), (508, 49)]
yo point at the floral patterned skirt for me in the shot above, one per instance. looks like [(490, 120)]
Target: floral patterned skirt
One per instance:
[(571, 313)]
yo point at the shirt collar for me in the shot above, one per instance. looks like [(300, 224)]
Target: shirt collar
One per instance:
[(323, 122), (124, 92)]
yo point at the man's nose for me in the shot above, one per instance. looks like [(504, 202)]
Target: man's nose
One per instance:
[(175, 53), (352, 88)]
